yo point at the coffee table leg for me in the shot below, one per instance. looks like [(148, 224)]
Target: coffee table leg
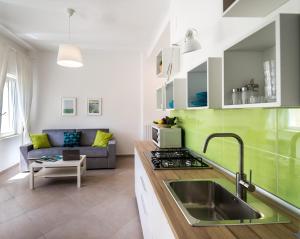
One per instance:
[(31, 179), (84, 167), (78, 176)]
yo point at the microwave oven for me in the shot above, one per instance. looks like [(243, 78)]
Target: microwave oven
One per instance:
[(166, 137)]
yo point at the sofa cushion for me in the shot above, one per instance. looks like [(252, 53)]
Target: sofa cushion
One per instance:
[(71, 139), (101, 139), (88, 136), (56, 136), (92, 152), (38, 153), (40, 141)]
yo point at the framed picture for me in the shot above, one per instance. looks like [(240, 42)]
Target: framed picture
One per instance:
[(94, 106), (68, 105)]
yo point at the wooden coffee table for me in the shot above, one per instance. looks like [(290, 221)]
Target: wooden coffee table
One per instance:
[(58, 169)]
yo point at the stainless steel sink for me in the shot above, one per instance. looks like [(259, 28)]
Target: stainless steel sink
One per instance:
[(211, 202)]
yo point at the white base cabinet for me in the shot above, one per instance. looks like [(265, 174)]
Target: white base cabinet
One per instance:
[(153, 220)]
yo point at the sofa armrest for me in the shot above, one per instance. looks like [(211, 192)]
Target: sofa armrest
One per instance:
[(25, 149), (24, 162), (111, 148)]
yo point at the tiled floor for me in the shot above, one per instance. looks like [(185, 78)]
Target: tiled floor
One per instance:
[(104, 207)]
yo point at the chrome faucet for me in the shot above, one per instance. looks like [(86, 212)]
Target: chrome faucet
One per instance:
[(242, 185)]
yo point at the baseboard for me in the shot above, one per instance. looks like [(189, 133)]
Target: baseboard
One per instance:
[(7, 169)]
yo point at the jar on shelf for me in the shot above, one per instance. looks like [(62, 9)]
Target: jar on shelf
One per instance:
[(236, 96), (244, 95)]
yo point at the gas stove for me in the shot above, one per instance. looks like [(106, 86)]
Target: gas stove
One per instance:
[(175, 159)]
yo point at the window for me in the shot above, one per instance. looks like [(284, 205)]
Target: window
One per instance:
[(9, 107)]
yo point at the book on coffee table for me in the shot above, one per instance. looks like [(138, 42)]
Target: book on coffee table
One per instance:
[(52, 158)]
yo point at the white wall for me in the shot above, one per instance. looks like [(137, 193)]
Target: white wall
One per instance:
[(113, 76), (215, 34), (9, 147), (9, 152), (150, 80)]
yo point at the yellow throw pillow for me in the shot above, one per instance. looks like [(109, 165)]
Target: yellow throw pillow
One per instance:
[(101, 139), (40, 141)]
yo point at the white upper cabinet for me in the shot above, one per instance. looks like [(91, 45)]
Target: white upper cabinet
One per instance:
[(266, 63), (168, 62), (204, 85), (250, 8)]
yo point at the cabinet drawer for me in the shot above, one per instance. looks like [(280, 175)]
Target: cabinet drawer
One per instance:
[(144, 215), (142, 177)]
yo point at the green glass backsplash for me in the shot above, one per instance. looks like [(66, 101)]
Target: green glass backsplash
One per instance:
[(272, 144)]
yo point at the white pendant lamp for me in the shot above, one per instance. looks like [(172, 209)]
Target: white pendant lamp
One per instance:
[(191, 42), (69, 55)]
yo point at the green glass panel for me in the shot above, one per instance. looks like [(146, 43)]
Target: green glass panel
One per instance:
[(271, 138)]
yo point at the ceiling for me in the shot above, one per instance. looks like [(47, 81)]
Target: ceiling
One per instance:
[(97, 24)]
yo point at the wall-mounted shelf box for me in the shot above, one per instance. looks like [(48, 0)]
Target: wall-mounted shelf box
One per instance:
[(176, 94), (160, 92), (207, 77), (168, 61), (250, 8), (279, 41)]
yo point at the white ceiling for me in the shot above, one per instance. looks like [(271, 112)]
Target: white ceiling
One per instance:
[(97, 24)]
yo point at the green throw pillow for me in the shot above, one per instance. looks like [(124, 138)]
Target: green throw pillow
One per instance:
[(101, 139), (40, 141)]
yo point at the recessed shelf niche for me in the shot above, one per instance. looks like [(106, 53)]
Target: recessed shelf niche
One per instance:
[(204, 85), (277, 42)]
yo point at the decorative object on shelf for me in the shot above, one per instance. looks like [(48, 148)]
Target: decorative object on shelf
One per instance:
[(201, 99), (166, 122), (160, 66), (68, 105), (270, 80), (94, 106), (248, 94), (191, 43), (236, 96), (171, 104), (69, 55)]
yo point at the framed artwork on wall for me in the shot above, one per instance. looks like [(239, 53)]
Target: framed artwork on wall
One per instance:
[(68, 106), (94, 106)]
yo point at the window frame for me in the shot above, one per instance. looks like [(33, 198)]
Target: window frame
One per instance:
[(12, 79)]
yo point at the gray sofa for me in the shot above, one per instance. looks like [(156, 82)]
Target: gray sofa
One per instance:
[(96, 157)]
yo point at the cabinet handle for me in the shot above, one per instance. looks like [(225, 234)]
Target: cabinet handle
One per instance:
[(143, 204), (143, 184)]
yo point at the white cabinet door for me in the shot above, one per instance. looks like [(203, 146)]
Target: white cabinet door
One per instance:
[(153, 220)]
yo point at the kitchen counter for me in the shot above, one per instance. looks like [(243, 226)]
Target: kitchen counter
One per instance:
[(179, 224)]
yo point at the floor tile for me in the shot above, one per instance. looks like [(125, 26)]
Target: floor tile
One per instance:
[(104, 207)]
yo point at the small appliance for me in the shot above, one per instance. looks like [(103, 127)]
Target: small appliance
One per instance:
[(166, 137)]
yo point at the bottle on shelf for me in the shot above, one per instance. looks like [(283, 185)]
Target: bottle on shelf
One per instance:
[(236, 96), (245, 97)]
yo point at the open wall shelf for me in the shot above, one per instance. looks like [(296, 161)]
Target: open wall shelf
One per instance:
[(170, 95), (160, 98), (168, 62), (204, 85), (176, 94), (276, 44), (250, 8)]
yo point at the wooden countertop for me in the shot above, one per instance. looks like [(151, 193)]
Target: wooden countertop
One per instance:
[(180, 226)]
